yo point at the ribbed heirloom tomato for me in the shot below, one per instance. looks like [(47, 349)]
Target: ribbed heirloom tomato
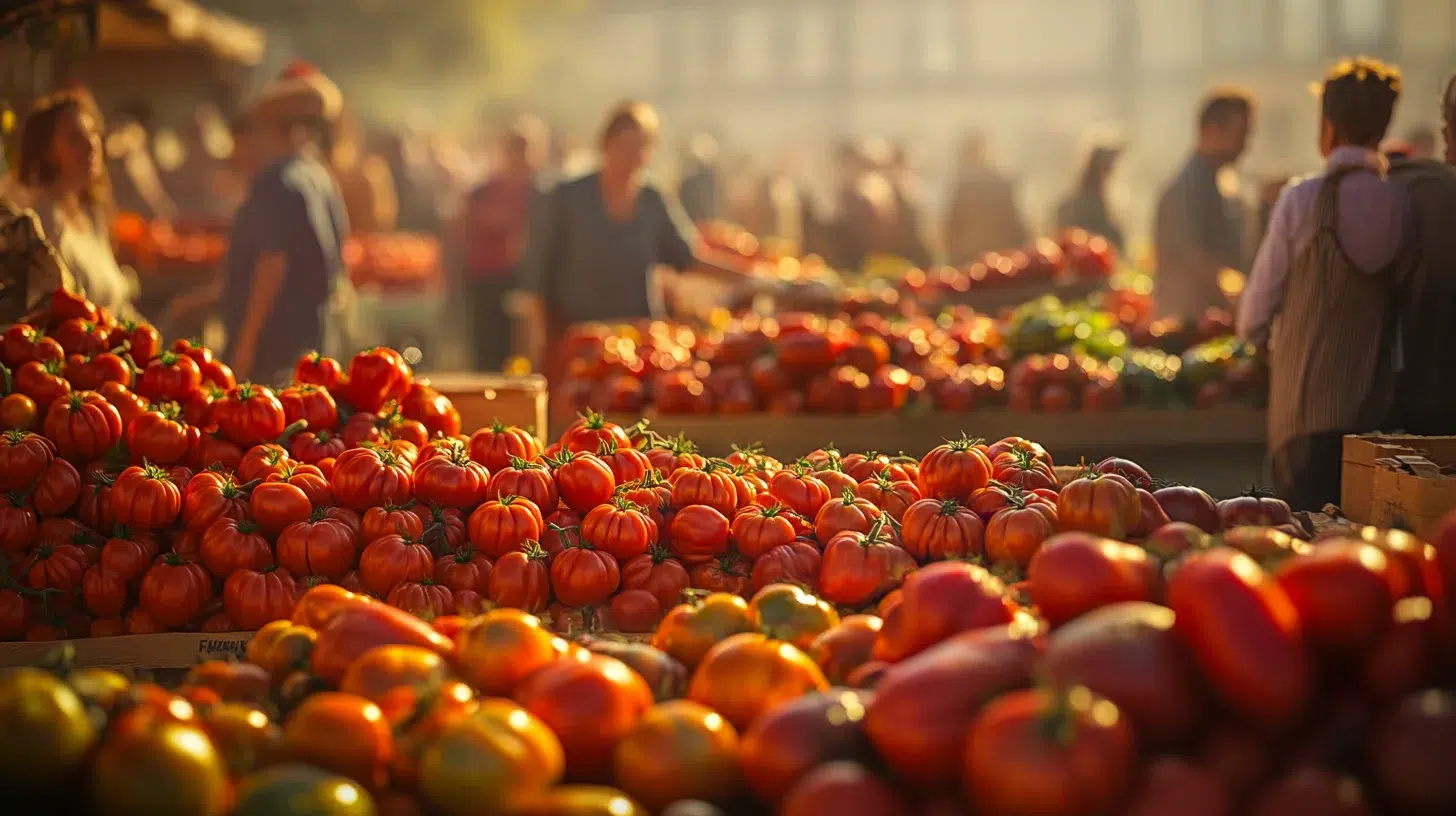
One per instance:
[(376, 376), (276, 505), (211, 496), (230, 545), (249, 415), (529, 480), (423, 598), (628, 464), (710, 485), (848, 513), (320, 546), (366, 477), (521, 580), (757, 529), (583, 480), (160, 436), (253, 598), (938, 602), (380, 521), (1104, 504), (315, 369), (954, 470), (937, 530), (451, 480), (18, 524), (799, 491), (498, 444), (797, 562), (464, 569), (859, 568), (175, 591), (657, 572), (310, 403), (42, 382), (699, 534), (390, 560), (312, 447), (171, 377), (726, 573), (307, 478), (502, 525), (57, 566), (83, 425), (1015, 533), (590, 430), (146, 498), (23, 456), (619, 529), (262, 461), (892, 497), (584, 576)]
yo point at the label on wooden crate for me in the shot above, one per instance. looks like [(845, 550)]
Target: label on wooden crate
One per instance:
[(228, 647)]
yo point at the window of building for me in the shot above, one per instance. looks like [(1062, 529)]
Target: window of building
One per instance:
[(1302, 28), (1362, 22), (813, 43), (751, 55)]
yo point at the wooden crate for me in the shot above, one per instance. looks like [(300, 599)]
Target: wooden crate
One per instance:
[(172, 650), (483, 398), (1389, 480)]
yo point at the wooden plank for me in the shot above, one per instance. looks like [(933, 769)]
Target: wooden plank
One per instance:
[(172, 650), (1066, 435)]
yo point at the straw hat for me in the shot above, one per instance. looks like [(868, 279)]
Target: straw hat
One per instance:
[(301, 91)]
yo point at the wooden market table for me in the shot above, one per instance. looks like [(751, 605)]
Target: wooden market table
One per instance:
[(170, 650), (1220, 449)]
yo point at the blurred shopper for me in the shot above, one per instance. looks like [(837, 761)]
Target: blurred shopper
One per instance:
[(700, 190), (982, 215), (867, 222), (364, 179), (1200, 225), (1323, 292), (595, 240), (492, 232), (62, 166), (1086, 206), (285, 250), (909, 207), (1425, 400)]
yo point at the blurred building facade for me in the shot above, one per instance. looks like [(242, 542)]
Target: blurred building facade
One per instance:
[(770, 76)]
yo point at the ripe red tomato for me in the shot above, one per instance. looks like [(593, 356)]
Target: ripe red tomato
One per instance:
[(860, 568), (319, 546), (83, 425), (104, 591), (591, 704), (366, 477), (57, 566), (521, 580), (892, 497), (1016, 762), (1408, 751), (1074, 573), (496, 445), (1015, 533), (424, 599), (954, 470), (619, 529), (698, 534), (83, 337), (1254, 510), (23, 457), (757, 529), (142, 341), (789, 742), (18, 524), (431, 409), (451, 480), (584, 576), (712, 485), (1104, 504), (936, 530), (628, 464), (1245, 633), (276, 505), (529, 480), (726, 573), (23, 343), (657, 572), (307, 478), (145, 498), (1020, 468), (103, 368), (43, 382), (311, 448), (502, 525), (253, 598), (590, 430), (310, 403), (939, 601), (315, 369), (1343, 591), (171, 377), (847, 513), (1191, 505), (797, 562), (377, 376), (464, 569), (56, 489), (799, 491), (249, 415), (230, 545), (444, 528), (583, 480), (211, 496), (388, 561), (175, 591)]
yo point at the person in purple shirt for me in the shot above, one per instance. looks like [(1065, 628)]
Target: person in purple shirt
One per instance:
[(1322, 293)]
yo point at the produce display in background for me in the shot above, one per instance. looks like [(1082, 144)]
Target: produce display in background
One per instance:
[(387, 261), (1044, 356)]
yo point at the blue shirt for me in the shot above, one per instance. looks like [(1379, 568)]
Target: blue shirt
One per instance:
[(293, 207)]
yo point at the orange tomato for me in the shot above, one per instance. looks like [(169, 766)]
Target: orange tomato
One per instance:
[(749, 674), (788, 613), (678, 750), (691, 629), (591, 701), (316, 606), (499, 649), (846, 647), (489, 760), (395, 677), (343, 733)]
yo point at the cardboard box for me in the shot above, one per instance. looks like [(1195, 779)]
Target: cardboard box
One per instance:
[(172, 650), (484, 398), (1395, 480)]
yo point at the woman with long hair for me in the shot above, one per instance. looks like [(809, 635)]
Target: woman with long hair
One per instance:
[(62, 167)]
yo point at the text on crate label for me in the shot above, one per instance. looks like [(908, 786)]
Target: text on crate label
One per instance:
[(221, 649)]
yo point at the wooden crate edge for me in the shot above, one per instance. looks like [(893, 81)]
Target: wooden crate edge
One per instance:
[(171, 650)]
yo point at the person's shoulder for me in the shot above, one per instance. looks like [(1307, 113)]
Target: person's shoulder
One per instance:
[(1409, 171)]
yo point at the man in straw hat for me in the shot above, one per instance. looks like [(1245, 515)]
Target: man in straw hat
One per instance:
[(286, 245)]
